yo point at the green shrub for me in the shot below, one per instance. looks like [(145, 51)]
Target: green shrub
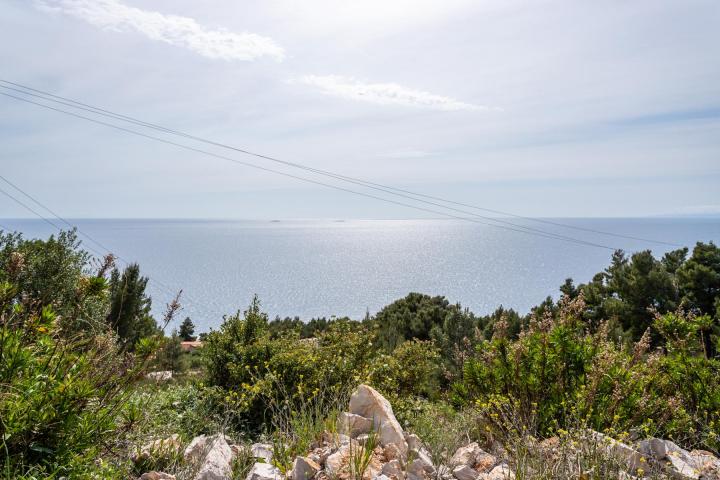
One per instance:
[(556, 372), (58, 397)]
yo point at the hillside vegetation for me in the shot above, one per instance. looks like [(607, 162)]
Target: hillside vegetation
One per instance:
[(632, 354)]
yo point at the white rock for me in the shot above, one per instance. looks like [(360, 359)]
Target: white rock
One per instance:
[(197, 449), (424, 457), (464, 472), (368, 403), (631, 457), (381, 477), (304, 469), (680, 463), (217, 464), (162, 376), (413, 441), (393, 468), (335, 462), (466, 455), (262, 450), (353, 425), (420, 468), (264, 471), (392, 452), (501, 472), (653, 448), (156, 476)]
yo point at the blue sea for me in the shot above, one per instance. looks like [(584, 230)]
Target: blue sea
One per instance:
[(319, 268)]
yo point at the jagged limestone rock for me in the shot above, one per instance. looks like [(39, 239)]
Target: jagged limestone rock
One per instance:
[(264, 471), (464, 472), (262, 450), (501, 472), (304, 469), (353, 425), (217, 463), (368, 403), (394, 469), (466, 455)]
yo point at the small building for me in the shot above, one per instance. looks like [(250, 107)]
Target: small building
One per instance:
[(191, 346)]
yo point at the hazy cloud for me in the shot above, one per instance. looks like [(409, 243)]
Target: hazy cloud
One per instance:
[(384, 93), (173, 29)]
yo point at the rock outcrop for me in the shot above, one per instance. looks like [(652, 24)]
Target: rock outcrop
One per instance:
[(370, 437), (368, 403)]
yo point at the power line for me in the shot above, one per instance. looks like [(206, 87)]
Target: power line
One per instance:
[(158, 283), (106, 113), (376, 186), (515, 228)]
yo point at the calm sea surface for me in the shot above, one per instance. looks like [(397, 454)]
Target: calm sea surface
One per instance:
[(323, 268)]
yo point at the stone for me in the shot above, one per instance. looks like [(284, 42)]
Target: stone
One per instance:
[(264, 471), (392, 452), (381, 477), (169, 446), (632, 458), (413, 441), (464, 472), (420, 468), (304, 469), (197, 449), (653, 448), (353, 425), (367, 402), (262, 450), (156, 476), (335, 462), (466, 455), (485, 462), (501, 472), (393, 469), (158, 377), (217, 464), (679, 462), (707, 463)]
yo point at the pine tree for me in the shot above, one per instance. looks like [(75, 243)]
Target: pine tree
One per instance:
[(187, 330), (130, 307)]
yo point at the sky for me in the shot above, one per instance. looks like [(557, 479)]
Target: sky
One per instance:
[(542, 108)]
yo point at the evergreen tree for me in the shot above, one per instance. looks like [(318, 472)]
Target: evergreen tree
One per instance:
[(130, 307), (187, 330)]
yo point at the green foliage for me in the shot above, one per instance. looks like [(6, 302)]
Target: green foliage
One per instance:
[(187, 330), (129, 314), (170, 356), (249, 364), (556, 371), (413, 369), (58, 396), (55, 273), (360, 456), (419, 316)]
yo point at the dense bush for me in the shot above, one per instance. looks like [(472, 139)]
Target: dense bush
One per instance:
[(64, 374), (260, 369), (557, 373)]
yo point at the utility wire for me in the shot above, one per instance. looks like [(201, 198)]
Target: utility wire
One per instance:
[(158, 283), (517, 228), (376, 186), (388, 190)]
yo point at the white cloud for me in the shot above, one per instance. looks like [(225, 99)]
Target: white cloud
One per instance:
[(384, 93), (173, 29)]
